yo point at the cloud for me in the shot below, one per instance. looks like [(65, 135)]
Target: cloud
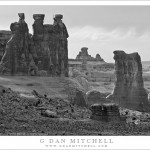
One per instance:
[(104, 41), (101, 34)]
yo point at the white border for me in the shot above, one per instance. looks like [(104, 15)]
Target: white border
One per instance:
[(33, 142), (75, 142), (112, 3)]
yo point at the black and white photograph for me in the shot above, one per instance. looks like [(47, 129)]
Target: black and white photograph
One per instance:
[(75, 71)]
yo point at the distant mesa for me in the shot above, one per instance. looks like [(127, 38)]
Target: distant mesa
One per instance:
[(83, 55)]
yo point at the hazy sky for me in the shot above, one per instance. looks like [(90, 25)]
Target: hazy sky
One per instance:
[(102, 29)]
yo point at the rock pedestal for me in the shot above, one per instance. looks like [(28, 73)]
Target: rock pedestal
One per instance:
[(38, 28), (129, 89), (105, 112), (41, 45), (60, 46)]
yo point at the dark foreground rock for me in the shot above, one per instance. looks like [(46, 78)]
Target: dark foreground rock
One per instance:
[(105, 112), (22, 116)]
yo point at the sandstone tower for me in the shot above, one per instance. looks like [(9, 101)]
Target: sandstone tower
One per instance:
[(44, 51), (129, 89)]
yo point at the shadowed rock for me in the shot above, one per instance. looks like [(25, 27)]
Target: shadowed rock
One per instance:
[(44, 52), (16, 57), (38, 28), (60, 46), (129, 89), (4, 37), (50, 42), (105, 112), (79, 98)]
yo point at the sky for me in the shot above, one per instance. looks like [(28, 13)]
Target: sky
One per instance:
[(102, 29)]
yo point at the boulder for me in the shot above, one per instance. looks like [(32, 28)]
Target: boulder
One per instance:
[(94, 96), (79, 98), (81, 78), (76, 93), (48, 113)]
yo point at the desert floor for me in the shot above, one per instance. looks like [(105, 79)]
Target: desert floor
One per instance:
[(20, 114)]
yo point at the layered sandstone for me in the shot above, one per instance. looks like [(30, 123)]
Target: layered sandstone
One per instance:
[(45, 53), (50, 42), (16, 57), (129, 89)]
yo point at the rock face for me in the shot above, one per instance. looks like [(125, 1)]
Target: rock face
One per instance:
[(44, 52), (105, 112), (60, 44), (41, 48), (94, 96), (129, 89), (4, 36), (50, 42), (76, 93), (16, 57)]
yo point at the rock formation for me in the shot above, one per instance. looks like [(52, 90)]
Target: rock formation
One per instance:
[(4, 37), (41, 44), (16, 57), (105, 112), (83, 55), (76, 93), (50, 42), (129, 89), (95, 97), (60, 45), (81, 78), (98, 58), (46, 52)]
